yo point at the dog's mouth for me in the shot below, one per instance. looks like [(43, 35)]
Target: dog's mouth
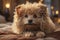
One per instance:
[(31, 24)]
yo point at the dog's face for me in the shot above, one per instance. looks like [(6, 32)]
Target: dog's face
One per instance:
[(31, 18)]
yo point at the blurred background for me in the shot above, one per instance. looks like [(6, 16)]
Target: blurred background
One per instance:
[(7, 8)]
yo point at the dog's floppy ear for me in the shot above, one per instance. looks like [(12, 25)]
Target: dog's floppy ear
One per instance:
[(43, 11), (40, 1), (19, 10)]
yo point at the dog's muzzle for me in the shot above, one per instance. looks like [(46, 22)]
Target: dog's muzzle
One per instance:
[(30, 23)]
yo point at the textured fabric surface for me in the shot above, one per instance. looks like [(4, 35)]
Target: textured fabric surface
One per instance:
[(6, 34)]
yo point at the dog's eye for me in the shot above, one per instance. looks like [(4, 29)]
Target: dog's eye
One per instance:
[(41, 14), (26, 16), (35, 16)]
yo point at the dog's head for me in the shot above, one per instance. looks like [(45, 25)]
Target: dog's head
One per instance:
[(30, 13)]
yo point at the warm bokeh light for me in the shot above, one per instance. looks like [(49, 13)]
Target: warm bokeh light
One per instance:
[(57, 12), (7, 5), (52, 7)]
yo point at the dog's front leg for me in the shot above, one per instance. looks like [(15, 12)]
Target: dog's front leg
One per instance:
[(28, 34), (40, 34), (16, 29)]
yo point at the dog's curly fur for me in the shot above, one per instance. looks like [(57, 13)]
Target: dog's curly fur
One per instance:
[(42, 21)]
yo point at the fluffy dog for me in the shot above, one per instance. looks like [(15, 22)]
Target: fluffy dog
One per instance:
[(32, 18)]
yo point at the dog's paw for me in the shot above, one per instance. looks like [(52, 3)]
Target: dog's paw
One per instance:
[(28, 34), (40, 34)]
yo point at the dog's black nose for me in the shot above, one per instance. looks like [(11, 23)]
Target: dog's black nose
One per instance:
[(30, 21)]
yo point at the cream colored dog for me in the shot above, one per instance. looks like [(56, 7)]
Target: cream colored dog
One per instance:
[(32, 19)]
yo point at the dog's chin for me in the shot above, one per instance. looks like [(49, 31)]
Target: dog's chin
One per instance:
[(30, 25)]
